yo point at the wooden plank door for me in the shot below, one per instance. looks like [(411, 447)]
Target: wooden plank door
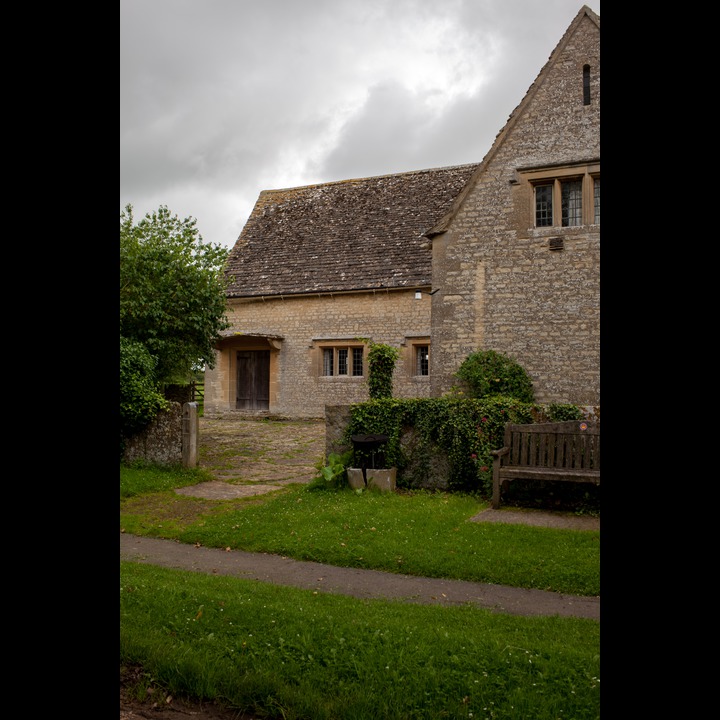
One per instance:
[(253, 380)]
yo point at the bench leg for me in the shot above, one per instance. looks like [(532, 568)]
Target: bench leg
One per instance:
[(496, 492)]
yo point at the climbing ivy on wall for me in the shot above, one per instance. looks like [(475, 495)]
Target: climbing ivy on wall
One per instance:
[(464, 429), (381, 365)]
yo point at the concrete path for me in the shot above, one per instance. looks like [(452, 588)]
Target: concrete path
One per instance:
[(364, 584)]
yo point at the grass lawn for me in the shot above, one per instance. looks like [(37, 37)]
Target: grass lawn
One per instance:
[(291, 653)]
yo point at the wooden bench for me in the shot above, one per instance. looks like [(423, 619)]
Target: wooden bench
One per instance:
[(547, 451)]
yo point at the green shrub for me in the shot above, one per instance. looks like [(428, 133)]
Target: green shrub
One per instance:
[(332, 472), (140, 396), (558, 412), (487, 373)]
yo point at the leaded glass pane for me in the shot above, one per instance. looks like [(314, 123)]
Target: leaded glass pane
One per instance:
[(596, 200), (342, 361), (571, 196), (328, 361), (543, 205), (357, 366), (422, 357)]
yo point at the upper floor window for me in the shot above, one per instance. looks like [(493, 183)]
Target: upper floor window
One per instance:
[(571, 196), (543, 205), (596, 199), (565, 197), (586, 84), (569, 193)]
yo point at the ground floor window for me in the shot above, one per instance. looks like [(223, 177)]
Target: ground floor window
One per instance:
[(343, 360), (416, 356)]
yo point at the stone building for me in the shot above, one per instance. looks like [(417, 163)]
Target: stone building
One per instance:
[(503, 254)]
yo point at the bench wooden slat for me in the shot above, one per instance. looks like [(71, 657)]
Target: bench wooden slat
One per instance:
[(536, 473)]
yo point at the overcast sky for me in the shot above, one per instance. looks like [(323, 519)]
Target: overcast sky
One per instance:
[(221, 99)]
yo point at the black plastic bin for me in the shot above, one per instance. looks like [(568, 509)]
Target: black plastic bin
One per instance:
[(368, 453)]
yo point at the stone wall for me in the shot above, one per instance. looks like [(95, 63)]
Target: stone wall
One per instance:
[(295, 329), (170, 439), (502, 284)]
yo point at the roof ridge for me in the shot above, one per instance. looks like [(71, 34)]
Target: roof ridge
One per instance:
[(371, 177)]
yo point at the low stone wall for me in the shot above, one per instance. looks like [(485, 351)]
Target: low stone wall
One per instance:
[(337, 418), (170, 439)]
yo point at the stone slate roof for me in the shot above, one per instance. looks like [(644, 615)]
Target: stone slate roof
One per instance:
[(360, 234)]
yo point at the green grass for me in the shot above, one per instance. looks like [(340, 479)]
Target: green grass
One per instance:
[(422, 533), (289, 653), (143, 478), (300, 654)]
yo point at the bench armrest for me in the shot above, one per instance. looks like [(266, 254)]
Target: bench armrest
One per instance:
[(499, 453)]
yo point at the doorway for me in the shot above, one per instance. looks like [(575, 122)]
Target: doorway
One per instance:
[(253, 380)]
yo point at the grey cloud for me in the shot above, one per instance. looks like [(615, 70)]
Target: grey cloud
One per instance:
[(220, 99)]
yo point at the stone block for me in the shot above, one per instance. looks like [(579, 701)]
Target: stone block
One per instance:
[(384, 479), (355, 478)]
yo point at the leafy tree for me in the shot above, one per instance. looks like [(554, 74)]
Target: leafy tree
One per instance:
[(172, 292), (488, 373)]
